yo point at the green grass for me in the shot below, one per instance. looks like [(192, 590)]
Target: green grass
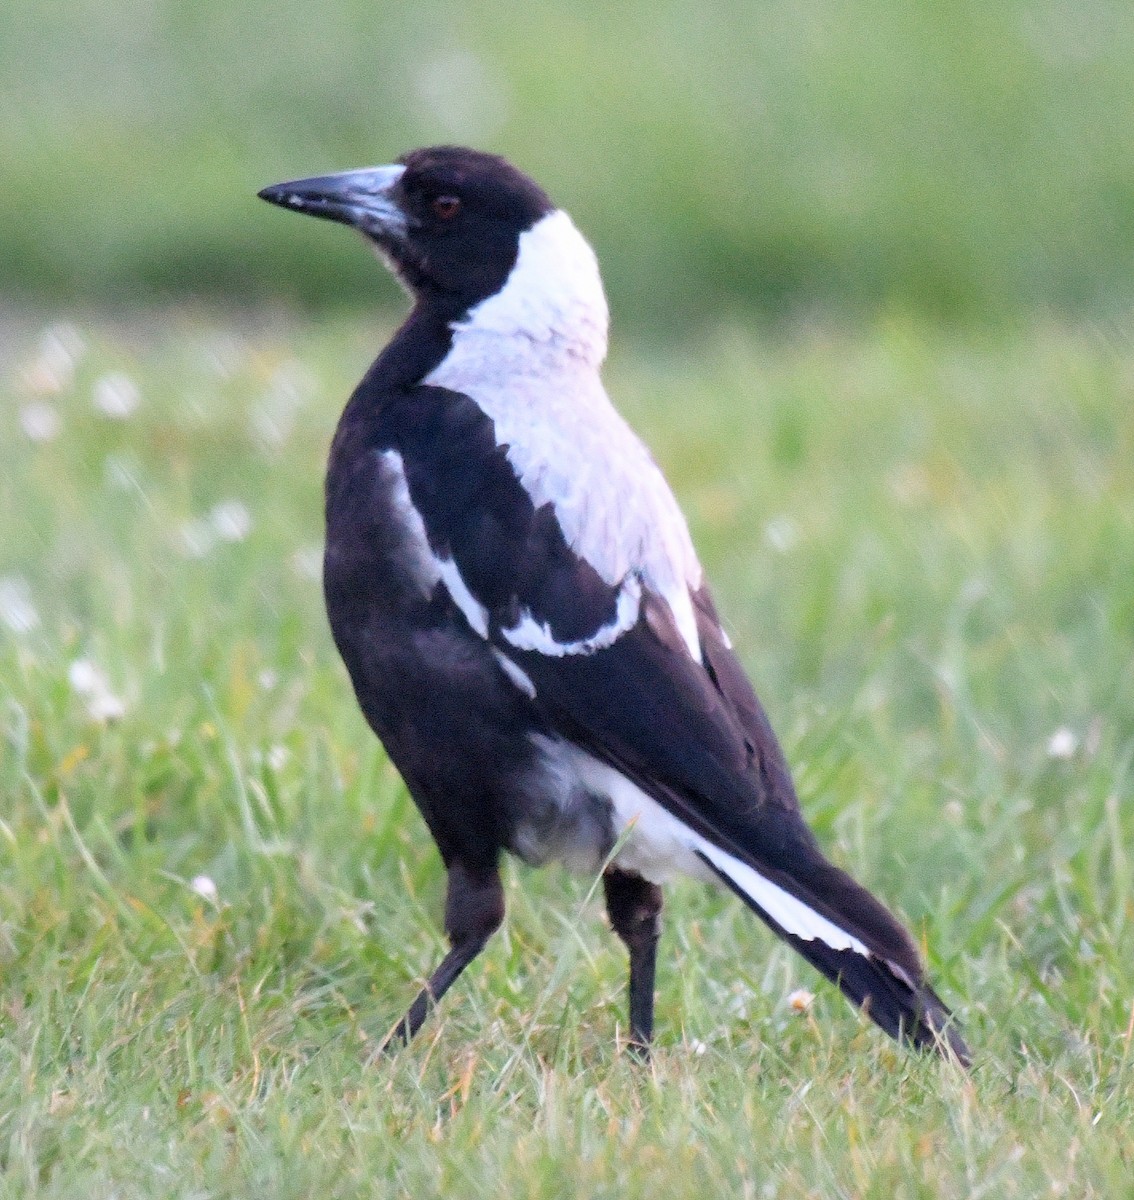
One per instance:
[(924, 547), (958, 157)]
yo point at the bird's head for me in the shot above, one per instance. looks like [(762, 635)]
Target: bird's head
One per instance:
[(461, 228)]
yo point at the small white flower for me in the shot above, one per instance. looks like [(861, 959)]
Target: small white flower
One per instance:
[(53, 369), (800, 1000), (88, 681), (698, 1047), (116, 396), (1062, 744), (16, 608), (204, 887), (277, 757), (781, 534), (84, 677), (40, 421), (104, 707), (231, 521)]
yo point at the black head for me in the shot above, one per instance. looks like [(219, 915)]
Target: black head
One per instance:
[(447, 219)]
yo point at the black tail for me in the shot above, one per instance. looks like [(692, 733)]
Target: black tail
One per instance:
[(855, 942), (911, 1014)]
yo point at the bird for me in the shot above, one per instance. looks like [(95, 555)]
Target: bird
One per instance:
[(523, 616)]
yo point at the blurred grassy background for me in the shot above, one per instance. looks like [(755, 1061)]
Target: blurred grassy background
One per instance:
[(953, 158)]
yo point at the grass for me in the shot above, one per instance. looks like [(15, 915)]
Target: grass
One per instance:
[(924, 546)]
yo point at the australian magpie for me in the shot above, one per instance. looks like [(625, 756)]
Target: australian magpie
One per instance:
[(513, 589)]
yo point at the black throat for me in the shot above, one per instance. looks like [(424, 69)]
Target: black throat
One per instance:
[(419, 346)]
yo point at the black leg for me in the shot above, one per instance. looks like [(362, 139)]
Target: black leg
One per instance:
[(635, 906), (474, 908)]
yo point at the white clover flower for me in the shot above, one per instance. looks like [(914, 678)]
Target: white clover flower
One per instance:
[(277, 757), (1062, 744), (231, 521), (204, 887), (17, 611), (87, 680), (40, 421), (801, 1000), (84, 677), (104, 707), (116, 396), (781, 534)]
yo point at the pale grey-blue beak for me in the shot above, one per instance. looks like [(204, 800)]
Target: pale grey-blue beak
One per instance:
[(363, 199)]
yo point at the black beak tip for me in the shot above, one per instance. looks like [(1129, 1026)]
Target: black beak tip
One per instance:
[(305, 196), (275, 194)]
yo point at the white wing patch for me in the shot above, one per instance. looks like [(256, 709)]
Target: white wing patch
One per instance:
[(529, 356), (788, 911), (519, 677), (658, 846), (416, 556), (529, 634), (475, 612)]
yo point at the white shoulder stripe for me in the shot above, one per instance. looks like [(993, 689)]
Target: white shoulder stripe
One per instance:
[(520, 678), (475, 612), (529, 634), (416, 557), (681, 605)]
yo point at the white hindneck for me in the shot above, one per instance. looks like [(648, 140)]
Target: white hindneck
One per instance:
[(553, 296)]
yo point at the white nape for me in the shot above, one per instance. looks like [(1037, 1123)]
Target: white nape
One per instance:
[(553, 293)]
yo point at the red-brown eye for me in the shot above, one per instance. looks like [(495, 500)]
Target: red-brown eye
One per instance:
[(446, 207)]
